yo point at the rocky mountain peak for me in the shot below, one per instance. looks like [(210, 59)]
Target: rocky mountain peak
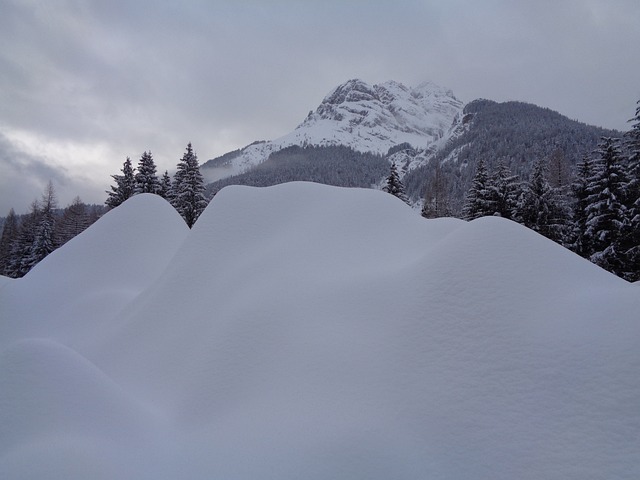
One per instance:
[(365, 118)]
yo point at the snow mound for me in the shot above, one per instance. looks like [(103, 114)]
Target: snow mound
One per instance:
[(88, 280), (308, 331)]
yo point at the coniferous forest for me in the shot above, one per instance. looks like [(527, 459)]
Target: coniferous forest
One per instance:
[(27, 239), (576, 185)]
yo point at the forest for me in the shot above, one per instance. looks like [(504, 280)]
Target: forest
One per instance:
[(576, 184)]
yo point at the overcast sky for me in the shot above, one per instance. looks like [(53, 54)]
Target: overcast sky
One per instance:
[(86, 83)]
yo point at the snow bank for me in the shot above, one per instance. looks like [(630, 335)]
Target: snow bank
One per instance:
[(86, 282), (306, 331)]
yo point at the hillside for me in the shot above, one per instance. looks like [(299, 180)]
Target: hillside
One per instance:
[(365, 118), (343, 141), (512, 132), (338, 165), (288, 335)]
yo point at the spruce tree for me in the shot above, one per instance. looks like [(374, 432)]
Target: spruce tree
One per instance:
[(394, 185), (436, 198), (503, 191), (124, 187), (606, 212), (20, 263), (539, 207), (581, 188), (187, 194), (75, 219), (478, 201), (631, 235), (165, 186), (10, 232), (146, 179), (44, 241)]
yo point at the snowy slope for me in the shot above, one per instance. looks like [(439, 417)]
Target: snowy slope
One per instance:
[(364, 117), (288, 337), (96, 273)]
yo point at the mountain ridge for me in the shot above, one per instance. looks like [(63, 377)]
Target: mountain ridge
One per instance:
[(363, 117), (416, 128)]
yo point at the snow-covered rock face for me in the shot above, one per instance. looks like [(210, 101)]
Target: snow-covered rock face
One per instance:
[(368, 119), (308, 331), (380, 116)]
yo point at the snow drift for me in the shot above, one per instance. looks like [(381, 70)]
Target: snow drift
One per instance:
[(306, 331)]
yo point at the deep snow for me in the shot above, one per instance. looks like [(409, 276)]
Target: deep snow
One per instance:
[(307, 331)]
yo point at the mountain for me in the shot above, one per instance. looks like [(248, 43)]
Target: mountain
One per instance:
[(416, 128), (362, 117), (515, 133), (288, 335)]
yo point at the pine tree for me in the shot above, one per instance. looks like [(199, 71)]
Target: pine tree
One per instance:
[(10, 232), (146, 179), (478, 201), (503, 191), (44, 241), (559, 170), (539, 207), (631, 236), (436, 197), (165, 186), (187, 194), (606, 212), (75, 219), (394, 185), (19, 263), (124, 187), (581, 188)]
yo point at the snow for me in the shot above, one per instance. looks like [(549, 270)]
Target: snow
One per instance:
[(288, 336), (365, 118)]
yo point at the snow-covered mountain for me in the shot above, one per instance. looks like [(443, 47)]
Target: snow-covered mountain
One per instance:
[(360, 116), (287, 336)]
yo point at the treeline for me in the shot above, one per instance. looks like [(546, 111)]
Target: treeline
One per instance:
[(27, 239), (186, 191), (333, 165), (594, 210), (511, 133)]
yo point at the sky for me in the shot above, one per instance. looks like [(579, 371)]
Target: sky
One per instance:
[(86, 83)]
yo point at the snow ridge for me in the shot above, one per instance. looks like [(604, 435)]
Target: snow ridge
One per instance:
[(286, 336)]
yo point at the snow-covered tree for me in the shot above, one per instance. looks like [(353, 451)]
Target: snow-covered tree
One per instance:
[(503, 191), (436, 196), (75, 219), (631, 235), (559, 171), (146, 179), (478, 200), (606, 212), (394, 185), (187, 194), (44, 241), (539, 207), (22, 246), (10, 232), (165, 186), (580, 241), (124, 187)]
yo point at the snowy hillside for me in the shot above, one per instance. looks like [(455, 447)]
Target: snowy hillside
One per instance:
[(287, 336), (360, 116)]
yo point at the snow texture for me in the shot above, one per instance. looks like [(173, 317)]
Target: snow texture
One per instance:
[(287, 336)]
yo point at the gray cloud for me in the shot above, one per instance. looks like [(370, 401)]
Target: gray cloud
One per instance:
[(132, 76), (23, 178)]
